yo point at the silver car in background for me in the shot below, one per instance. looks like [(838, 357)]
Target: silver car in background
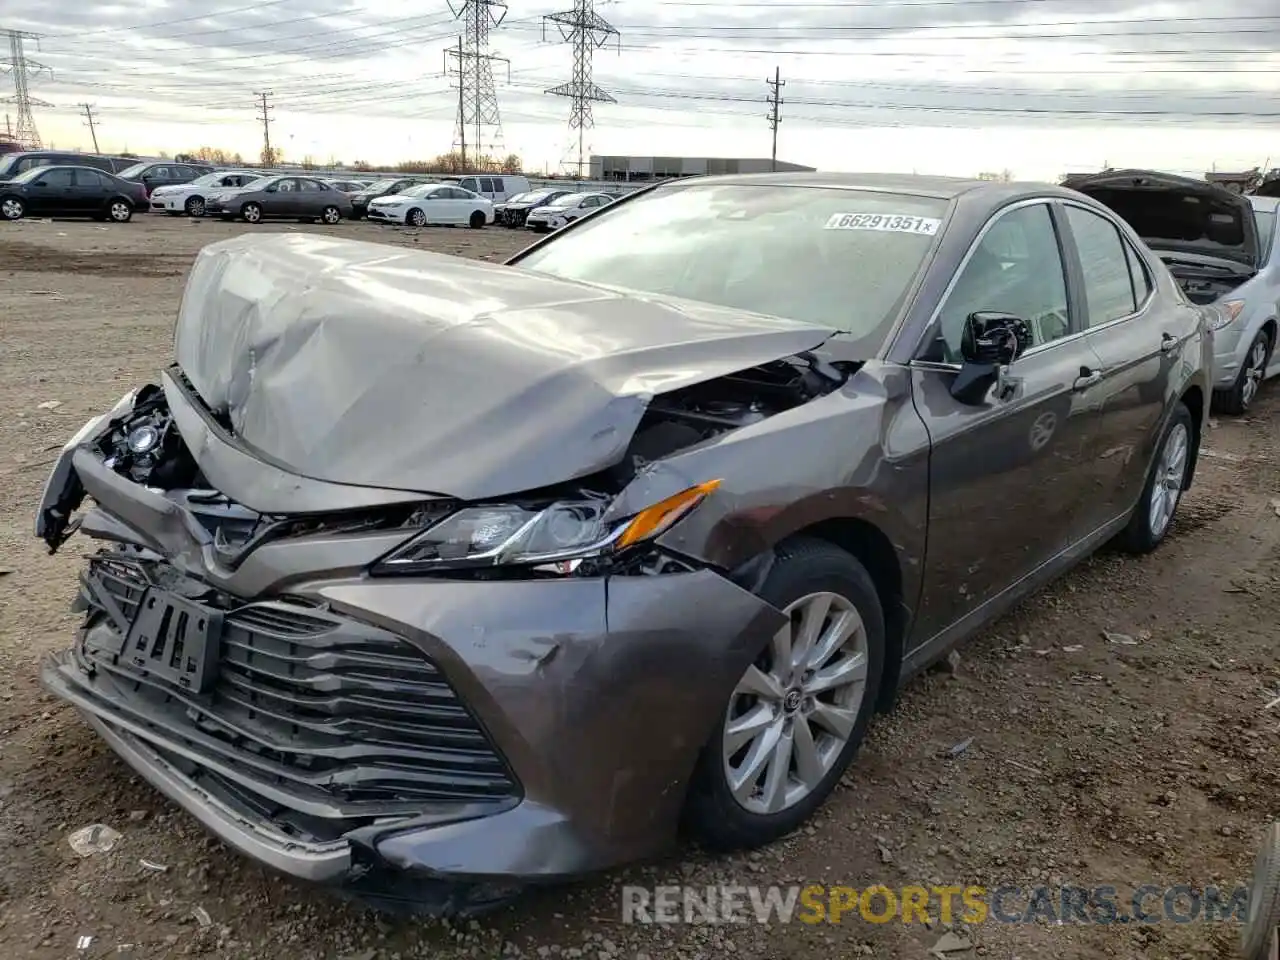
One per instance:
[(1219, 246), (562, 211)]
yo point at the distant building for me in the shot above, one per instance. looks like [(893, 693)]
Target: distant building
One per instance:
[(662, 168)]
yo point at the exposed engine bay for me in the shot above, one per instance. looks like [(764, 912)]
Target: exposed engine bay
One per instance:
[(1205, 283), (684, 418), (145, 447)]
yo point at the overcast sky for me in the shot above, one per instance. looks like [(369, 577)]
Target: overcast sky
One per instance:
[(1038, 87)]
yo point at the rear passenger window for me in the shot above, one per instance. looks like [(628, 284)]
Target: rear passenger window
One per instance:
[(1108, 285)]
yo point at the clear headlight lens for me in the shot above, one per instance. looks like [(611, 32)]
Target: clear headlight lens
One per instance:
[(511, 535), (1228, 312)]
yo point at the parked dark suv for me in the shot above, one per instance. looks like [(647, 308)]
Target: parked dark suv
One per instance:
[(12, 164), (163, 173)]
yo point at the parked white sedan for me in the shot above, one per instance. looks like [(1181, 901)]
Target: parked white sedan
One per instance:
[(564, 210), (190, 198), (432, 203)]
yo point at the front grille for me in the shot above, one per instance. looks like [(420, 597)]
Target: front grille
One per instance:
[(317, 705)]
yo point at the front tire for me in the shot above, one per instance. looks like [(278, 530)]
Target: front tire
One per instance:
[(795, 719), (477, 219), (12, 208), (416, 218), (1163, 490), (195, 206), (1239, 398), (251, 212)]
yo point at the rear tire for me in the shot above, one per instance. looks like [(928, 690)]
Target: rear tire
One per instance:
[(120, 211), (477, 219), (818, 737), (12, 208), (330, 216), (1162, 492), (1239, 398)]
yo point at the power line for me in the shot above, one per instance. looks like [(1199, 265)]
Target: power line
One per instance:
[(477, 98), (93, 130), (587, 31), (268, 155), (26, 135), (775, 112)]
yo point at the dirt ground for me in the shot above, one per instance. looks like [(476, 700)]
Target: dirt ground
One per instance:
[(1052, 754)]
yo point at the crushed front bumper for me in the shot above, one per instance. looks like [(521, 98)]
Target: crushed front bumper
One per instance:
[(539, 729)]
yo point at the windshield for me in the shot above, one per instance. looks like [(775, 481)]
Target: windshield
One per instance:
[(420, 190), (537, 196), (1266, 221), (520, 198), (8, 163), (382, 185), (568, 200), (839, 258), (134, 170)]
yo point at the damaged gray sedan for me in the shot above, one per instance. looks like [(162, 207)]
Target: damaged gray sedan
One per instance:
[(431, 578)]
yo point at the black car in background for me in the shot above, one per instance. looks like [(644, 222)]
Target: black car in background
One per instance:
[(516, 211), (70, 192), (12, 164), (163, 173), (383, 188)]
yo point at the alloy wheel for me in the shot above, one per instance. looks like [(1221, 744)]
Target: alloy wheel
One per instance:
[(1255, 368), (120, 212), (417, 218), (1166, 488), (195, 207), (331, 215), (794, 710), (252, 212), (12, 209)]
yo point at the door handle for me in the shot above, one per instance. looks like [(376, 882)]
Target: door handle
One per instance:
[(1168, 343), (1087, 379)]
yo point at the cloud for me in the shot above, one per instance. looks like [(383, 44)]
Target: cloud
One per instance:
[(857, 64)]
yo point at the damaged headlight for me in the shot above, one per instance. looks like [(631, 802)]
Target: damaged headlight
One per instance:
[(511, 535)]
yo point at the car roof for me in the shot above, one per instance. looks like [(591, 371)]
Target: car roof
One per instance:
[(942, 188)]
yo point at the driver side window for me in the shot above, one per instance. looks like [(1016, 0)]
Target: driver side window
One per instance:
[(1017, 269)]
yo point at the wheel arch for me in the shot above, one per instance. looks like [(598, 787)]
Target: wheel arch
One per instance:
[(1193, 398), (872, 547)]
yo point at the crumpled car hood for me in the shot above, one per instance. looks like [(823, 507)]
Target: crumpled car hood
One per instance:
[(363, 364)]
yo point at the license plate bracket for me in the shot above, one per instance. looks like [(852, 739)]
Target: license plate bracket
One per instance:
[(175, 639)]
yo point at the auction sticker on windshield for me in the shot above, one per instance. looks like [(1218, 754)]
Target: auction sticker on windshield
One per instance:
[(889, 222)]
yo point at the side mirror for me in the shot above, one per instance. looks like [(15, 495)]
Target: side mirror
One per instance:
[(272, 189), (991, 342)]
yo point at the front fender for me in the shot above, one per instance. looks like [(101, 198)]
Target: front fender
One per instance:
[(860, 453)]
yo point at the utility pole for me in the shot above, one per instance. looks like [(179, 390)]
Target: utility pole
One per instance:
[(268, 157), (22, 70), (93, 131), (775, 112), (587, 31), (477, 99)]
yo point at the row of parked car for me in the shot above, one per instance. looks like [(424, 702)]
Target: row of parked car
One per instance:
[(47, 183)]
